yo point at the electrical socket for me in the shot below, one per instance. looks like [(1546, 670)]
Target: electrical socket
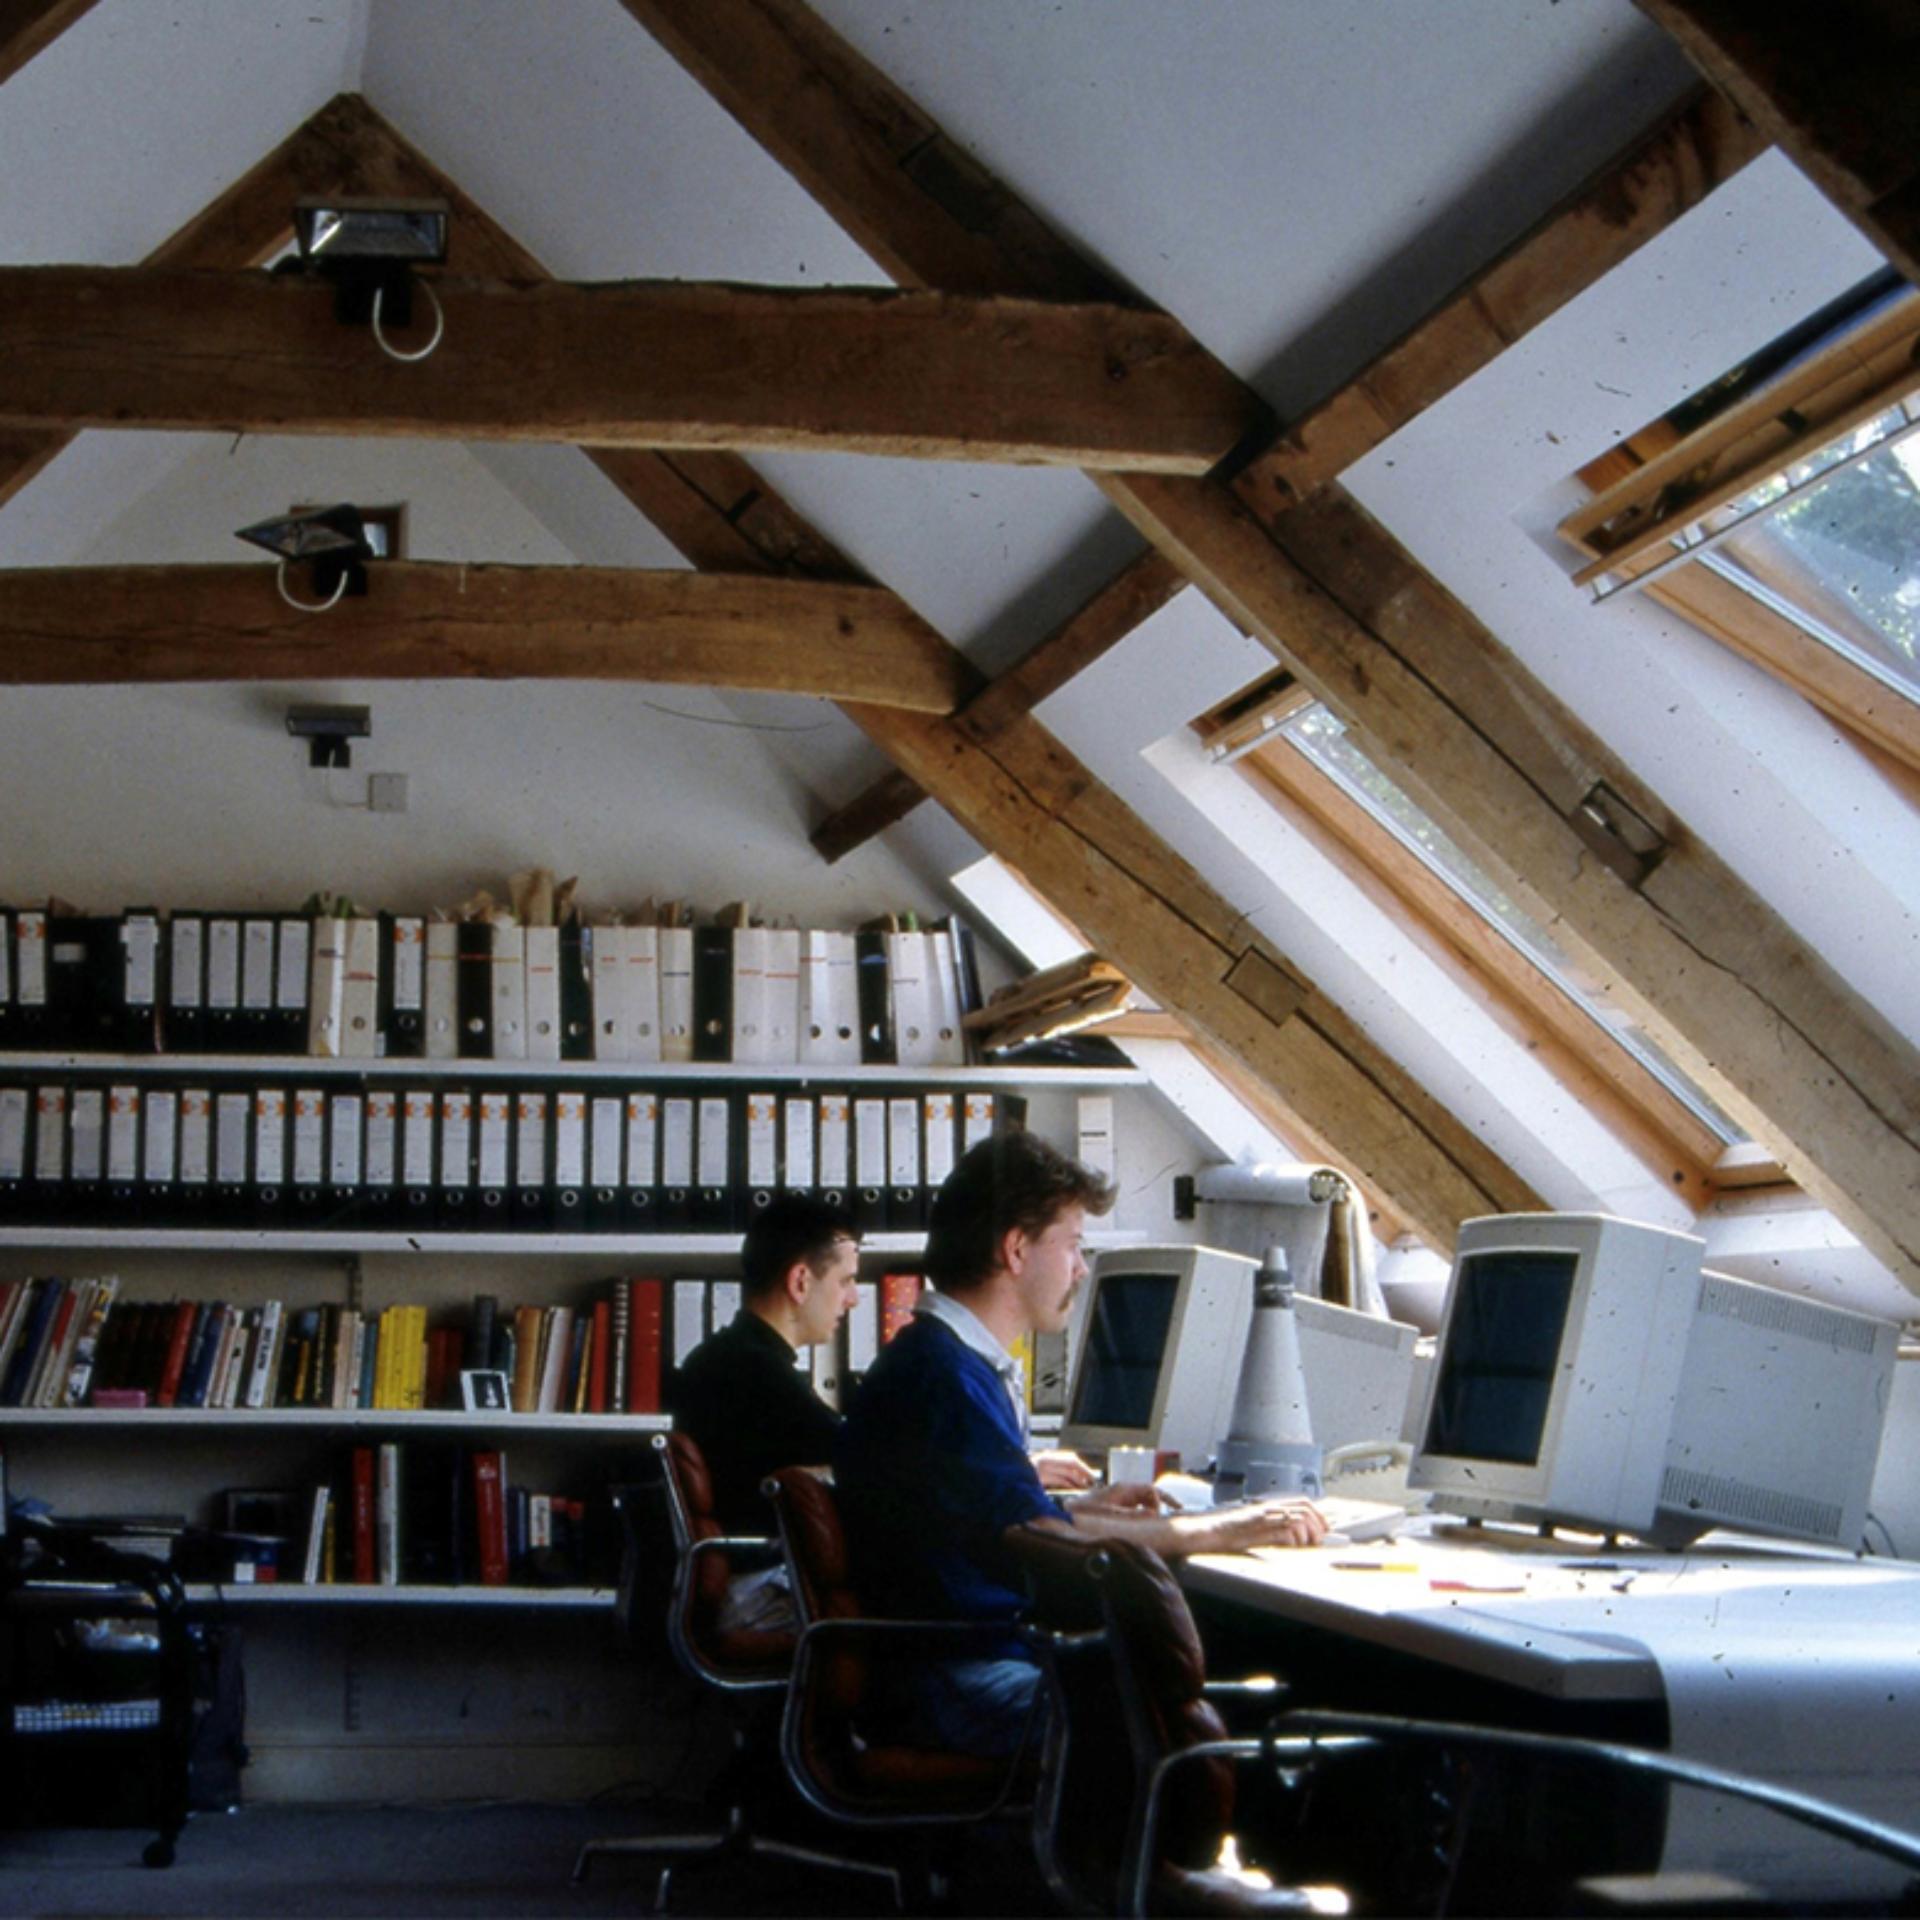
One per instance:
[(386, 793)]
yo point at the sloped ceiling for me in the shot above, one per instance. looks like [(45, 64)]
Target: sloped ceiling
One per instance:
[(1297, 182)]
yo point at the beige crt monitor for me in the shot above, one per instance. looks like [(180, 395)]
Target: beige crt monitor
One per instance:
[(1157, 1350)]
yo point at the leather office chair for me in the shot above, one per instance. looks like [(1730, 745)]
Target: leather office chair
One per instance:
[(834, 1740), (750, 1665), (1180, 1793)]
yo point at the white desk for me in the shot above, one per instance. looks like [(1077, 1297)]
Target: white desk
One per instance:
[(1795, 1664)]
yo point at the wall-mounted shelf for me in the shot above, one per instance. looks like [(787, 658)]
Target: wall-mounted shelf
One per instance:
[(500, 1427), (605, 1246), (547, 1072), (295, 1593)]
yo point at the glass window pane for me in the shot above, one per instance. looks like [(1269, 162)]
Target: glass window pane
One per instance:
[(1323, 739)]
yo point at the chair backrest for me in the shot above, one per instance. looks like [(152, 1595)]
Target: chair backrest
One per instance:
[(722, 1656), (1161, 1669), (833, 1753)]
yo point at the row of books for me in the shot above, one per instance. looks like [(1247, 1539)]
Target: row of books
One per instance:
[(403, 986), (398, 1514), (470, 1158), (78, 1342)]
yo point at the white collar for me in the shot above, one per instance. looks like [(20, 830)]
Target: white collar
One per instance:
[(973, 1333)]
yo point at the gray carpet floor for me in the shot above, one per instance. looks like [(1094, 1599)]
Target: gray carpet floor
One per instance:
[(283, 1863)]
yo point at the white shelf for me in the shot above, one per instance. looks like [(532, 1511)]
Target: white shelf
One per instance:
[(504, 1426), (608, 1246), (650, 1072), (296, 1593)]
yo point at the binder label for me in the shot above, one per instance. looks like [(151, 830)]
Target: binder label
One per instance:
[(163, 1106), (763, 1135), (343, 1142), (903, 1142), (270, 1137), (976, 1120), (196, 1145), (569, 1139), (30, 957), (290, 976), (188, 936), (230, 1115), (456, 1139), (604, 1148), (939, 1138), (309, 1137), (223, 965), (123, 1134), (416, 1146), (870, 1143), (643, 1139), (409, 964), (496, 1121), (50, 1133), (834, 1167), (799, 1142), (89, 1120), (530, 1146), (676, 1146), (256, 966), (714, 1150), (13, 1133), (140, 937), (380, 1139)]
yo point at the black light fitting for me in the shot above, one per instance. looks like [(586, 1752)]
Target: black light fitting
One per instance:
[(331, 542)]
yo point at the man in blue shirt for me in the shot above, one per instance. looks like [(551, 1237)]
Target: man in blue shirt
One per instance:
[(931, 1467)]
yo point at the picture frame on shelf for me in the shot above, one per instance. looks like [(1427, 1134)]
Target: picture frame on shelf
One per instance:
[(485, 1390)]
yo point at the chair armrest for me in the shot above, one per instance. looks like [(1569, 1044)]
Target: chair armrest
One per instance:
[(1144, 1849), (745, 1547)]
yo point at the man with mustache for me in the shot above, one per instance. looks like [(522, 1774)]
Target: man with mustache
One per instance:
[(931, 1467)]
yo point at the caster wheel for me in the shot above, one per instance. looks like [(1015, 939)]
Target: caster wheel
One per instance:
[(159, 1853)]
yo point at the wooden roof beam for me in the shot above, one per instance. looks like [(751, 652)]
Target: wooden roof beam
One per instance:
[(29, 27), (1836, 87), (652, 364), (1161, 923), (67, 626), (1138, 591), (1717, 976)]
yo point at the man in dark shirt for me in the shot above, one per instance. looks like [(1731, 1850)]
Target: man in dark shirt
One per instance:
[(931, 1466), (741, 1394)]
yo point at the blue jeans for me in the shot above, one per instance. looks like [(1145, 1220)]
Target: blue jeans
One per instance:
[(981, 1707)]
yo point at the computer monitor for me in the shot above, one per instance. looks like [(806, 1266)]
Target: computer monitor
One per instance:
[(1157, 1350), (1590, 1375)]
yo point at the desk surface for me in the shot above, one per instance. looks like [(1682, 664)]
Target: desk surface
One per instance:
[(1624, 1623)]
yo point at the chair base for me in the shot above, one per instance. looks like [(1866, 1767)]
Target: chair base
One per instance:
[(735, 1842)]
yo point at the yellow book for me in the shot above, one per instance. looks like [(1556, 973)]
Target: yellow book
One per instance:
[(414, 1390), (383, 1360), (1022, 1350)]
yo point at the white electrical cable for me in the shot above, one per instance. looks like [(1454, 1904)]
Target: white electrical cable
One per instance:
[(439, 325), (308, 606)]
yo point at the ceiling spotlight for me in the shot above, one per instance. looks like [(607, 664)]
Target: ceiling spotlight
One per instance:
[(331, 542), (369, 249)]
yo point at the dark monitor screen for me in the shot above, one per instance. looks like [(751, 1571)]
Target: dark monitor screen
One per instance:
[(1501, 1351), (1125, 1344)]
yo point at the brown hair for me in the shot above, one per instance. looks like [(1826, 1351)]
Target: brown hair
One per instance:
[(1011, 1180)]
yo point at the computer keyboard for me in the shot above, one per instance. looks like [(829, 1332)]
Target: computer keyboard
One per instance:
[(1347, 1518)]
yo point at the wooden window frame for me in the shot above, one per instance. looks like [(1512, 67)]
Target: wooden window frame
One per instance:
[(1661, 481), (1649, 1120)]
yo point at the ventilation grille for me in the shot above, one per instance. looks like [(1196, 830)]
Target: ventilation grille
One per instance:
[(1781, 1313), (1716, 1497)]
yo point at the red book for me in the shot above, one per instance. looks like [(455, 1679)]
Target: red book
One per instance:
[(446, 1348), (899, 1295), (647, 1323), (177, 1343), (601, 1353), (363, 1560), (490, 1517)]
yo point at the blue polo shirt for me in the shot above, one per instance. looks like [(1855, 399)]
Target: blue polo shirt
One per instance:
[(930, 1470)]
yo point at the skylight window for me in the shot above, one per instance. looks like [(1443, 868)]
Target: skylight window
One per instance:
[(1318, 734), (1780, 512)]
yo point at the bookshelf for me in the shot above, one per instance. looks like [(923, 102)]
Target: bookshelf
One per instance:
[(441, 1681)]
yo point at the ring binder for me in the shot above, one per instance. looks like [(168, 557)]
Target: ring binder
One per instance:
[(270, 1199)]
